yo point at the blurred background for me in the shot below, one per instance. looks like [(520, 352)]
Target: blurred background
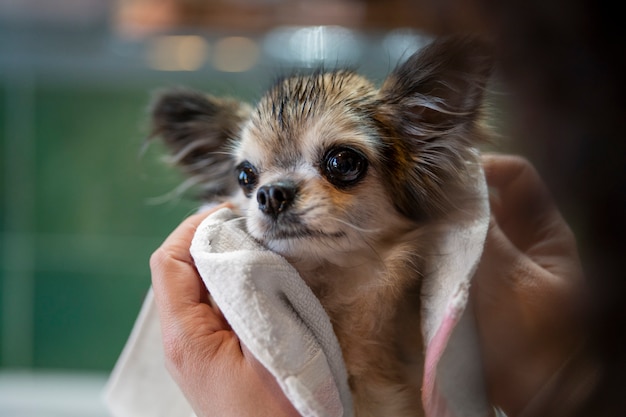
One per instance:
[(83, 201)]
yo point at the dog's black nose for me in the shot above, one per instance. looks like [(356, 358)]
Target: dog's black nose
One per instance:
[(275, 198)]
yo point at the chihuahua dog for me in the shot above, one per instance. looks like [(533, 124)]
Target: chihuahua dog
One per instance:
[(352, 184)]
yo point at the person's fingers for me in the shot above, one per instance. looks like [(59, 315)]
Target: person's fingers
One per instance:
[(172, 267), (529, 243), (179, 292), (525, 211), (508, 277), (506, 274), (522, 204)]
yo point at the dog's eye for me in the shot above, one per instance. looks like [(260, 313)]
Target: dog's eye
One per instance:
[(247, 177), (344, 166)]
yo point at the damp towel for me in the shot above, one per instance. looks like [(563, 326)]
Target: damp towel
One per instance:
[(283, 324)]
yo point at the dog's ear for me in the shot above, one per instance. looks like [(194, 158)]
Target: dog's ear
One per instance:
[(432, 105), (439, 88), (199, 130)]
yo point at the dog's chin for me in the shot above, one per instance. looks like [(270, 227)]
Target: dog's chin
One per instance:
[(296, 240)]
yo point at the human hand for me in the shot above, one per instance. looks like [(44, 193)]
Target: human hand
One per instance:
[(217, 375), (527, 286)]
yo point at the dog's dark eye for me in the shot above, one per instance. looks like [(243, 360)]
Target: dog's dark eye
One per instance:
[(344, 166), (247, 177)]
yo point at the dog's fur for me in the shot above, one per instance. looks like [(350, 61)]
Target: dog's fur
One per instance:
[(350, 183)]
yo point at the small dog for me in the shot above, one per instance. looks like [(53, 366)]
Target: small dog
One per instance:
[(351, 183)]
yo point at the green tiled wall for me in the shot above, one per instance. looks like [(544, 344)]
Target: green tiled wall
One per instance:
[(77, 224)]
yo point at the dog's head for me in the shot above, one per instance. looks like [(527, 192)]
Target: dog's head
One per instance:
[(326, 162)]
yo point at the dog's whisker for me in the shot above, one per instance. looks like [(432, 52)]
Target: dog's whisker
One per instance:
[(177, 192), (355, 227)]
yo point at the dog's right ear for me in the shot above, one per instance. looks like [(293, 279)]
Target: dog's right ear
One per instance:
[(199, 130)]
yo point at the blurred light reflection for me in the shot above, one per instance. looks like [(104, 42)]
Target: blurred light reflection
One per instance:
[(177, 52), (311, 45), (235, 54)]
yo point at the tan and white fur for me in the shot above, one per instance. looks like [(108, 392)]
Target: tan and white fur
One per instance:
[(351, 183)]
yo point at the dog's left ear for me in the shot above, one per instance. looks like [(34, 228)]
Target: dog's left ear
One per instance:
[(431, 104), (440, 87)]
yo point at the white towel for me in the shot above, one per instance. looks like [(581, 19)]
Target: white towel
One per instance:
[(282, 323)]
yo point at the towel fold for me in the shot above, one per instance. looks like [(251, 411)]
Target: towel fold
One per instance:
[(281, 322)]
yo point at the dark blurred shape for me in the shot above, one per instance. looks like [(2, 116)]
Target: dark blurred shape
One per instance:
[(565, 64)]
